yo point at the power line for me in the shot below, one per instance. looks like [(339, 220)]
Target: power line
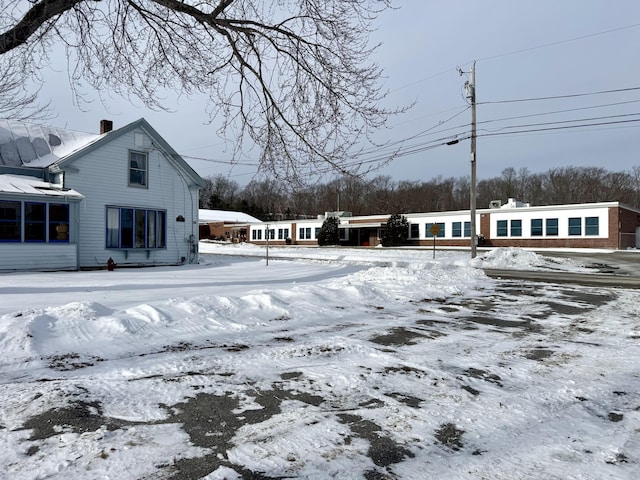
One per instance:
[(533, 99), (522, 50), (564, 127), (563, 121), (559, 42)]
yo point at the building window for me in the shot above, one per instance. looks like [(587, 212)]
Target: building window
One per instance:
[(467, 229), (136, 228), (308, 232), (317, 232), (440, 233), (414, 230), (552, 227), (591, 226), (536, 227), (575, 226), (286, 233), (516, 228), (456, 229), (301, 234), (272, 234), (501, 228), (35, 222), (259, 234), (138, 169), (10, 221), (58, 222), (280, 234)]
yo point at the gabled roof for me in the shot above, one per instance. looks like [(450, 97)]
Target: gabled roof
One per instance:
[(158, 142), (36, 146), (26, 145)]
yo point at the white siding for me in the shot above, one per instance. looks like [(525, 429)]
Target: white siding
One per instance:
[(102, 175), (38, 256)]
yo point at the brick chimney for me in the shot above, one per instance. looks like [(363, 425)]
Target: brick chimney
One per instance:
[(105, 126)]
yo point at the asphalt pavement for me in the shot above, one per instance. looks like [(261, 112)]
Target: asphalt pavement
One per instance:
[(612, 269)]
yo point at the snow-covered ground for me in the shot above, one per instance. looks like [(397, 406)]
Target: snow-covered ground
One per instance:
[(327, 363)]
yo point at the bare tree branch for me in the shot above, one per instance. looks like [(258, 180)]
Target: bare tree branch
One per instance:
[(293, 77)]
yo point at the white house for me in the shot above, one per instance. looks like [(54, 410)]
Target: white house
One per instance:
[(71, 200)]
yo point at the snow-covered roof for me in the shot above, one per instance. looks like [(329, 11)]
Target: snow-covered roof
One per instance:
[(26, 145), (24, 185), (207, 216)]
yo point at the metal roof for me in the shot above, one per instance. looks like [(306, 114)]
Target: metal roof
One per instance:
[(24, 185), (26, 145)]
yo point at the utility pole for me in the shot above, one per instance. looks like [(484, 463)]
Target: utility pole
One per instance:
[(471, 94), (267, 240)]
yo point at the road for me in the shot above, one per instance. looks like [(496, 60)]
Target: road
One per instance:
[(612, 269)]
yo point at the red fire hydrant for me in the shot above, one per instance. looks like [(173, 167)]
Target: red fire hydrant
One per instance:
[(111, 264)]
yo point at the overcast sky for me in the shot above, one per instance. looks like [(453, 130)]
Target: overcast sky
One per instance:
[(524, 50)]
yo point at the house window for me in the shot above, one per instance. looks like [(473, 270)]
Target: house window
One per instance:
[(456, 229), (516, 228), (575, 226), (552, 227), (467, 229), (35, 222), (58, 222), (138, 169), (136, 228), (440, 233), (536, 227), (10, 221), (501, 228), (414, 230), (591, 226)]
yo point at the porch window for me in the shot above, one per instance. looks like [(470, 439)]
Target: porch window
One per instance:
[(58, 222), (135, 228), (10, 221), (35, 222)]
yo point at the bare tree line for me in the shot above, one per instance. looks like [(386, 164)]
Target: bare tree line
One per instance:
[(269, 199)]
